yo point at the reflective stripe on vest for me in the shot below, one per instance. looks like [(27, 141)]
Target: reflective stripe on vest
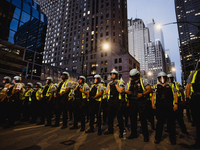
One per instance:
[(177, 87), (28, 94), (99, 98), (84, 89), (37, 94), (193, 81), (64, 86), (49, 89), (120, 96)]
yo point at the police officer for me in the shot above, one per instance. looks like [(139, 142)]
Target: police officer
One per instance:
[(95, 98), (27, 102), (138, 90), (193, 90), (104, 104), (165, 109), (36, 97), (14, 100), (45, 104), (81, 93), (6, 91), (181, 102), (65, 86), (114, 90)]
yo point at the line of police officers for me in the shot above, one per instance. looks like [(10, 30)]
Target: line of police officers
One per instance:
[(166, 97)]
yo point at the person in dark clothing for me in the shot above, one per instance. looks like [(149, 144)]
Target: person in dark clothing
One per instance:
[(114, 90), (165, 96), (81, 93), (95, 98), (138, 90)]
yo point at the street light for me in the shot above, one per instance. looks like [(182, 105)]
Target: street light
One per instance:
[(173, 69), (159, 26)]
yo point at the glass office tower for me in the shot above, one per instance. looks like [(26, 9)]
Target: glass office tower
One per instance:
[(22, 35), (188, 21)]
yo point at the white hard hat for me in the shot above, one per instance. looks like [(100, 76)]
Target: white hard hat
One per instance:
[(30, 84), (7, 78), (17, 78), (162, 74), (49, 78), (97, 76), (82, 77), (170, 75), (114, 71), (133, 72), (65, 73), (39, 84)]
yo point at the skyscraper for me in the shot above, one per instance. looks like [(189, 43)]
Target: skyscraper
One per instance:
[(155, 33), (138, 36), (188, 22), (22, 35), (168, 61), (78, 30), (156, 60)]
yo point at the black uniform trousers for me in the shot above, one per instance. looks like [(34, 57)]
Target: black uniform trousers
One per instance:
[(115, 108), (95, 110), (196, 110), (179, 116), (62, 102), (27, 109), (135, 107), (165, 111), (34, 110), (42, 109), (105, 110), (150, 114), (79, 112)]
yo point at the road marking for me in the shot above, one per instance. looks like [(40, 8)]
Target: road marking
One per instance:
[(28, 127)]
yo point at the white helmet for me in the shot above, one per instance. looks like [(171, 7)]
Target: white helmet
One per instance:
[(56, 84), (102, 81), (49, 78), (82, 77), (170, 75), (39, 84), (133, 72), (65, 73), (162, 74), (114, 71), (97, 76), (7, 78), (17, 78), (30, 84)]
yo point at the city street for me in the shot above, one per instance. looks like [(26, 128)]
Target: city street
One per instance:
[(33, 137)]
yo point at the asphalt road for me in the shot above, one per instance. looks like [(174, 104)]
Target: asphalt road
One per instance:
[(27, 136)]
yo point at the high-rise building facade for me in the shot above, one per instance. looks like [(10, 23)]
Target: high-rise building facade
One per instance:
[(22, 36), (138, 37), (78, 31), (168, 61), (188, 22), (156, 34), (156, 61)]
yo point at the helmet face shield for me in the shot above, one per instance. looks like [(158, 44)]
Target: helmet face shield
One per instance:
[(162, 79), (170, 80)]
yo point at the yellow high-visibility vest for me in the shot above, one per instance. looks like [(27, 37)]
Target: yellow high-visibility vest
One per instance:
[(28, 94), (99, 98), (37, 94), (193, 81), (118, 83), (84, 89), (64, 86), (49, 89)]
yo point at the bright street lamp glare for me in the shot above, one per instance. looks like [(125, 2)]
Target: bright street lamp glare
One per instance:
[(159, 26), (173, 69), (149, 73), (105, 46)]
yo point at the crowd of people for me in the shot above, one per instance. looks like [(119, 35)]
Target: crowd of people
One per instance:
[(103, 101)]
